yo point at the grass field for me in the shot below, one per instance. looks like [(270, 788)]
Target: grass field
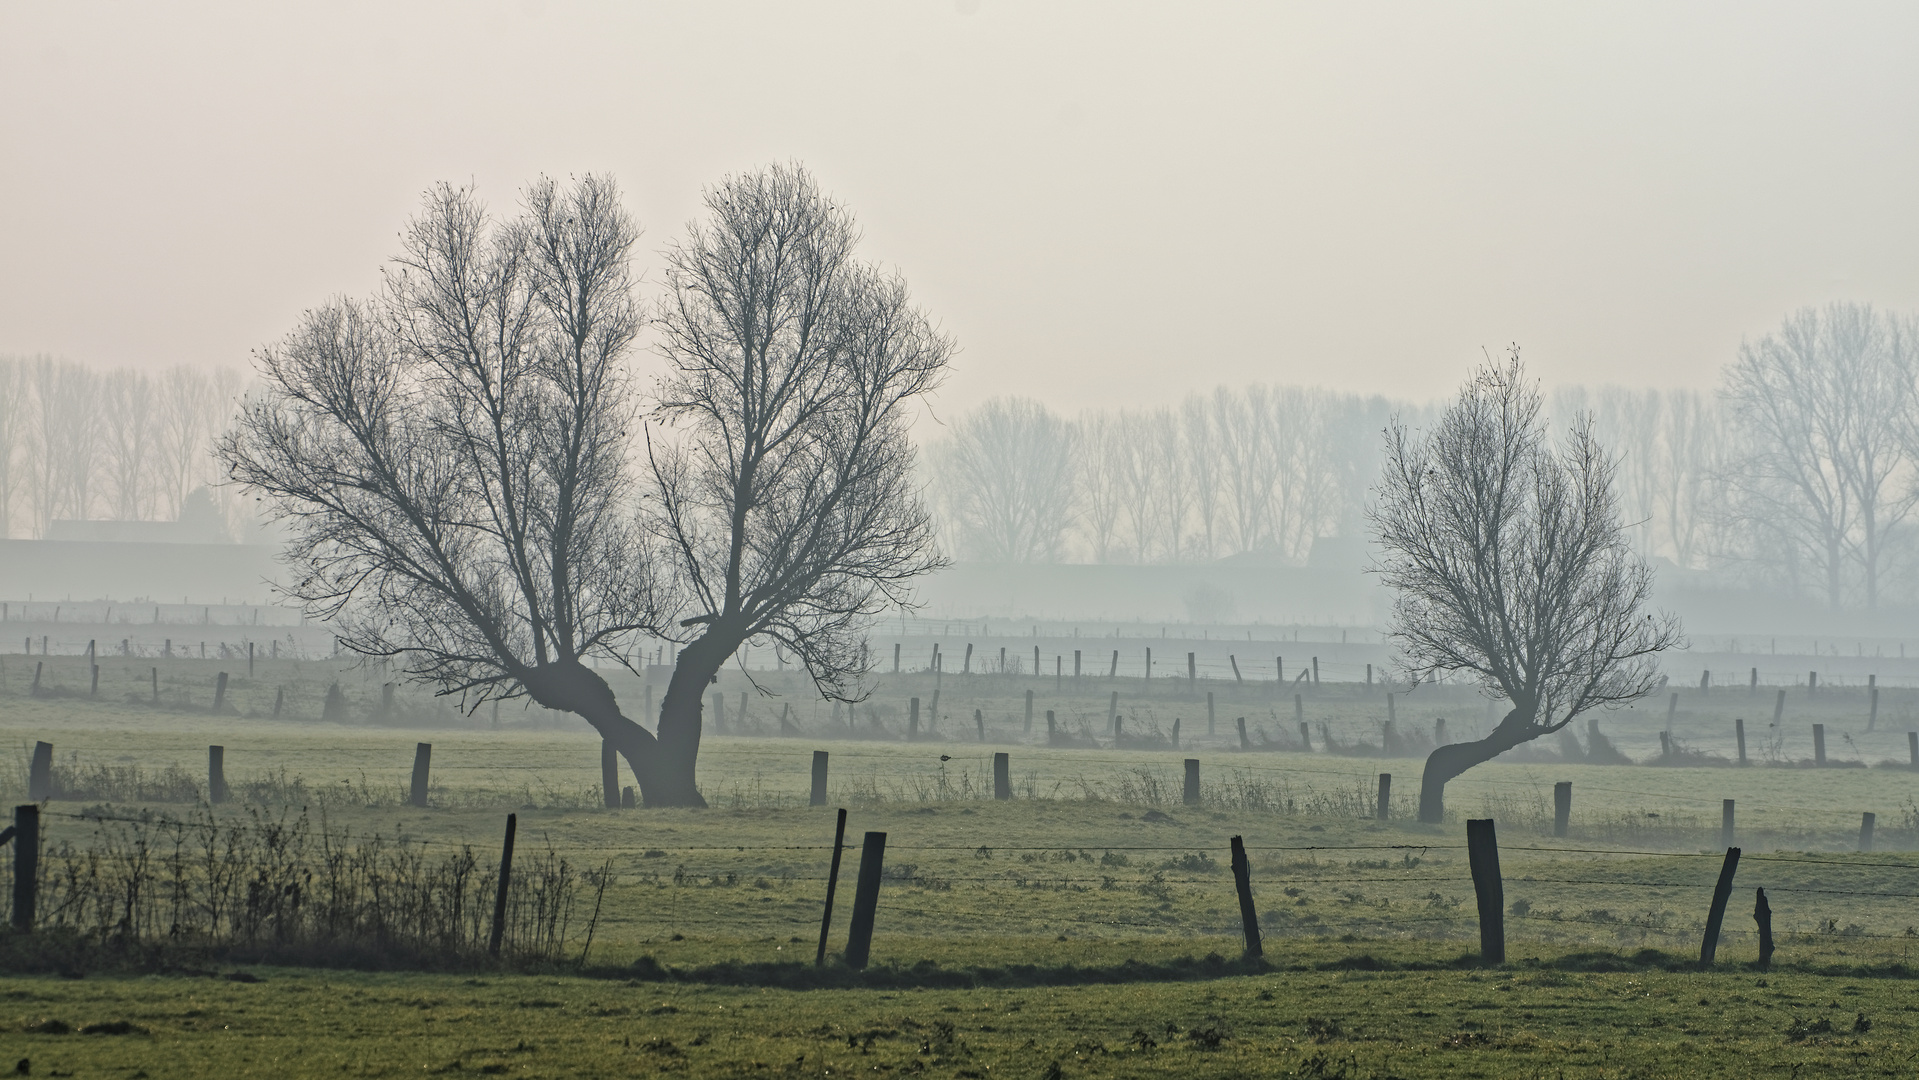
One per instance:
[(1005, 928)]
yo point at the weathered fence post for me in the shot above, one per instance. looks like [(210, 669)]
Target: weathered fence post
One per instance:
[(40, 773), (1112, 711), (1315, 671), (1866, 821), (1190, 796), (609, 775), (156, 685), (1562, 807), (912, 719), (1234, 660), (37, 666), (819, 779), (1029, 712), (1812, 683), (1755, 682), (1305, 737), (216, 774), (1049, 726), (1244, 742), (833, 882), (1739, 729), (1002, 776), (1725, 823), (1872, 714), (1209, 713), (249, 659), (1116, 731), (1175, 732), (979, 722), (866, 901), (627, 799), (26, 864), (1243, 882), (422, 761), (220, 692), (1819, 744), (280, 696), (1762, 914), (1779, 706), (1716, 917), (1912, 747), (1385, 794), (1482, 853), (94, 691), (1665, 744), (506, 882)]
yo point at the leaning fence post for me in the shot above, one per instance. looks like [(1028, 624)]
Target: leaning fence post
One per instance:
[(1190, 796), (1385, 794), (1244, 742), (819, 779), (1866, 821), (1243, 882), (40, 773), (506, 880), (1725, 823), (1002, 776), (1562, 806), (1819, 744), (1762, 914), (1717, 916), (832, 883), (866, 901), (422, 761), (216, 774), (26, 864), (220, 692), (609, 778), (1482, 853)]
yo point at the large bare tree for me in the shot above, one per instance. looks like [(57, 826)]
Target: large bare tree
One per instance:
[(786, 499), (1511, 566), (450, 456)]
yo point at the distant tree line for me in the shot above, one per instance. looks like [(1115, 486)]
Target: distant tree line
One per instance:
[(82, 443), (1799, 475)]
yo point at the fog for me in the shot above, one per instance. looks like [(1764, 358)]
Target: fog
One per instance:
[(1104, 203)]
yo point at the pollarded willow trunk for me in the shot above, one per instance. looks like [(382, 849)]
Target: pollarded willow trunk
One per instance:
[(682, 716), (1454, 758), (571, 686)]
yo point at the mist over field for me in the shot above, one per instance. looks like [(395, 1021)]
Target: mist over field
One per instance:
[(958, 538)]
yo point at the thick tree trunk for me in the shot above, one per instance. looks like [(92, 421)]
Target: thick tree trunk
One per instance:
[(681, 712), (1454, 758), (571, 686)]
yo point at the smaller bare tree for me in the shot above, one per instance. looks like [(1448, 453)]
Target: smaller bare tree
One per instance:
[(1511, 565)]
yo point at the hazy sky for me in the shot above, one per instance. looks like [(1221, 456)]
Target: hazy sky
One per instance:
[(1106, 203)]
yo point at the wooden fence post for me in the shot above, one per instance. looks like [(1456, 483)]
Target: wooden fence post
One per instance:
[(1739, 729), (1716, 917), (216, 774), (1725, 823), (249, 659), (506, 881), (156, 685), (1562, 806), (1672, 706), (1050, 732), (1779, 706), (422, 761), (979, 723), (40, 773), (1912, 747), (1209, 714), (1234, 660), (1190, 796), (1754, 690), (1244, 742), (1762, 914), (1243, 882), (1029, 712), (220, 692), (819, 779), (1866, 821), (1385, 795), (1819, 744), (912, 719), (1439, 732), (280, 696), (26, 864), (1112, 712), (1872, 692), (1665, 745), (94, 691), (1002, 776), (1076, 653), (1305, 737), (866, 901), (1482, 853), (1315, 671), (609, 775), (1175, 732), (1192, 674), (1812, 683), (37, 666), (627, 799), (832, 884)]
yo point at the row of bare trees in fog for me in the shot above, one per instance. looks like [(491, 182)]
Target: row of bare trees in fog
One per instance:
[(82, 443), (1799, 474)]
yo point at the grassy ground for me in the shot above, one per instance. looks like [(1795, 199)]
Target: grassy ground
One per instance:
[(1040, 900), (1533, 1019)]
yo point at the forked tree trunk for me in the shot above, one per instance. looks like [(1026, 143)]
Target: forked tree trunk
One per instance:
[(1454, 758), (681, 711)]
